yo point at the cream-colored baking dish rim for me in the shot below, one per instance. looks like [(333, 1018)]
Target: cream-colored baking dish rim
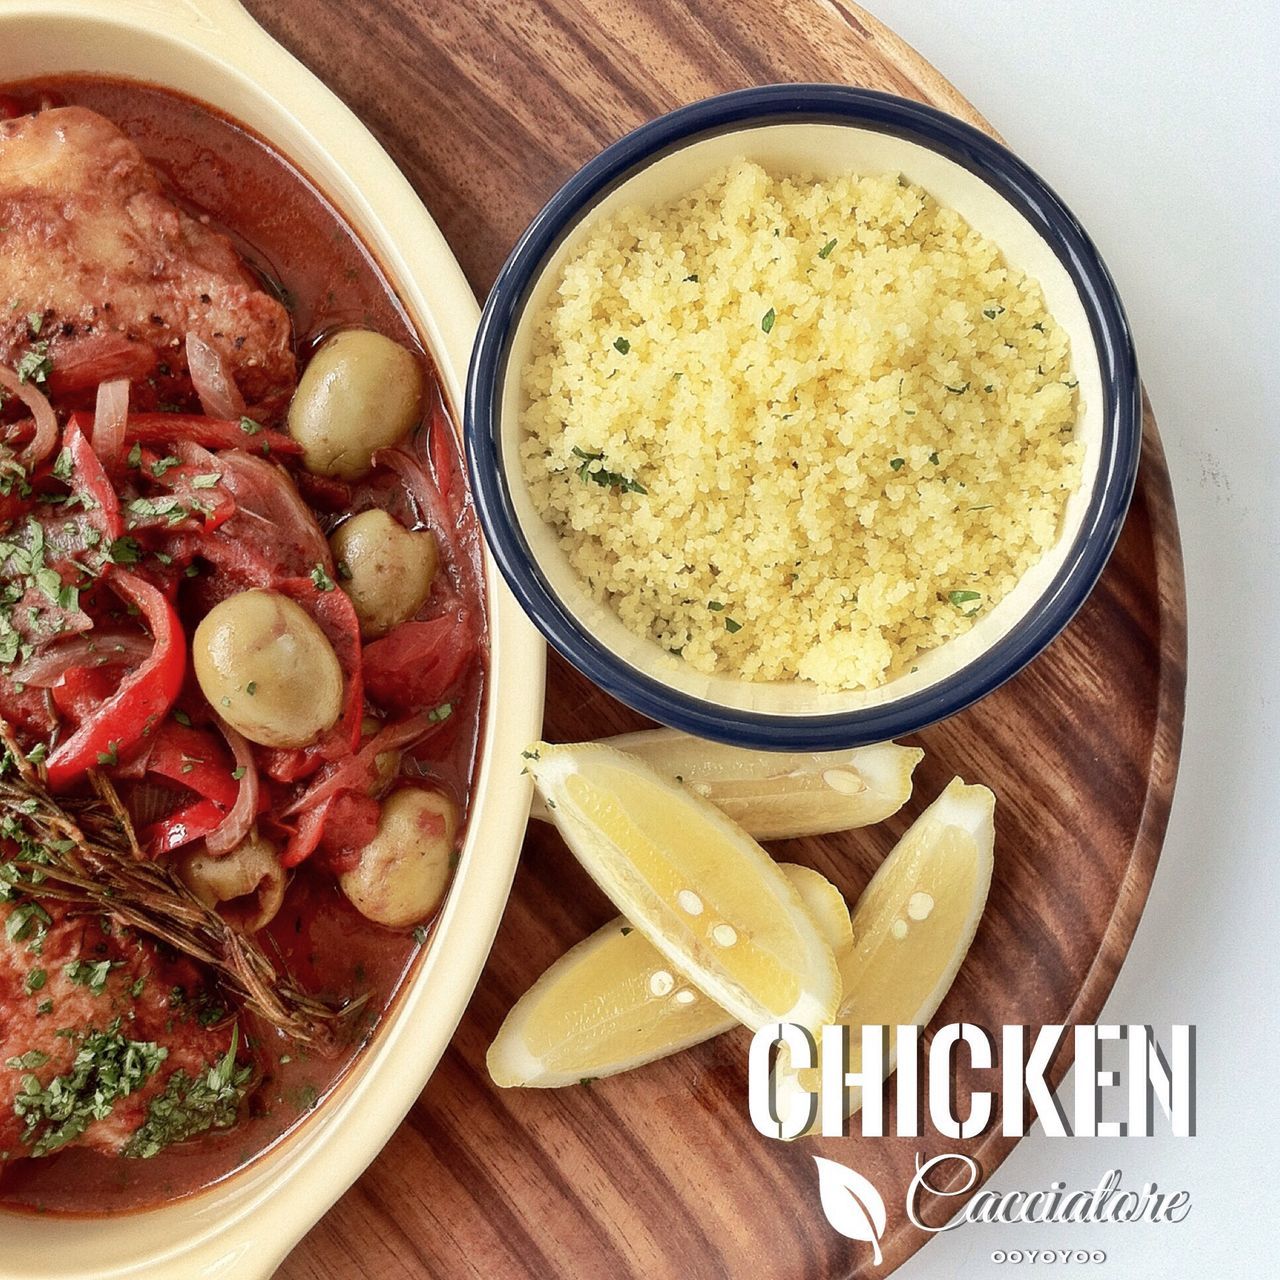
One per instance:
[(214, 51)]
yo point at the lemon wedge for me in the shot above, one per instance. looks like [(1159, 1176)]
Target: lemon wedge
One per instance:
[(777, 795), (702, 891), (613, 1002), (912, 927)]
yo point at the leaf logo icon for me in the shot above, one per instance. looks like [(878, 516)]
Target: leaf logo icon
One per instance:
[(852, 1205)]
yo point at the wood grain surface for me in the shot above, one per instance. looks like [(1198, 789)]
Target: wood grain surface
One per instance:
[(488, 107)]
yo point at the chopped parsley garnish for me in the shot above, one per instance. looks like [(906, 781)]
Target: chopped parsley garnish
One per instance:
[(34, 980), (35, 365), (55, 590), (419, 935), (111, 756), (251, 688), (897, 463), (321, 579), (29, 1061), (85, 973), (190, 1106), (62, 465), (766, 320), (35, 322), (249, 427), (621, 345), (825, 251), (605, 478), (933, 457), (962, 598), (440, 713), (992, 312), (693, 279), (715, 605), (135, 456), (183, 719), (28, 922), (206, 480), (238, 772), (731, 626), (125, 550), (167, 463), (956, 390), (169, 507), (107, 1067)]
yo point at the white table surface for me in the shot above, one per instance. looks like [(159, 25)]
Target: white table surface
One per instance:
[(1158, 122)]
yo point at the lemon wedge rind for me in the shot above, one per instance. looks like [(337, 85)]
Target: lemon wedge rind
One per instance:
[(595, 1012), (702, 891), (913, 926)]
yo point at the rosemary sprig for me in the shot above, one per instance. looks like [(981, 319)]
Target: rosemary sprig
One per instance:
[(82, 851)]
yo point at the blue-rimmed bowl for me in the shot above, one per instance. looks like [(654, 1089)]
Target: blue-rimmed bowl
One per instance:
[(822, 130)]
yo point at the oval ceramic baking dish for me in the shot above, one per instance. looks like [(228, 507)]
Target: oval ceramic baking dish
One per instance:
[(213, 51)]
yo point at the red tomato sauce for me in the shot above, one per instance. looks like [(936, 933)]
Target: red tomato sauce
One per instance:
[(288, 232)]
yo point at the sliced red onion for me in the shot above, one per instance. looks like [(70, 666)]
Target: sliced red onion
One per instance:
[(46, 436), (219, 395), (235, 826), (360, 771), (455, 539), (109, 418), (271, 514), (99, 649)]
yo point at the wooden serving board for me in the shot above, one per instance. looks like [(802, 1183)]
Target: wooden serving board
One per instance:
[(488, 106)]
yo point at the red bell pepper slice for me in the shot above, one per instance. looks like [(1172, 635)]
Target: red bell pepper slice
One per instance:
[(89, 479), (81, 689), (143, 697), (306, 836), (194, 758), (213, 433), (187, 824), (343, 824)]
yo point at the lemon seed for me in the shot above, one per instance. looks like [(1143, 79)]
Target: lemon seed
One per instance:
[(919, 905), (661, 983), (689, 901)]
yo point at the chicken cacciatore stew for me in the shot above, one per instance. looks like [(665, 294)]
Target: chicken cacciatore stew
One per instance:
[(242, 646)]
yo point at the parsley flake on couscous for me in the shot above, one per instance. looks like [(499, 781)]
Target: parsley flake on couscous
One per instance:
[(826, 412)]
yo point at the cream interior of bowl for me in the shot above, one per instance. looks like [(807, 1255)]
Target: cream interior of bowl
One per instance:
[(213, 51), (822, 150)]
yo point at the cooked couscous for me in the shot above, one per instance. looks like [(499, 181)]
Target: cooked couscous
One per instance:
[(799, 428)]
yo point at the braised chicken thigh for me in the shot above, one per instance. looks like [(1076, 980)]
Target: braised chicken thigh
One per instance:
[(106, 275)]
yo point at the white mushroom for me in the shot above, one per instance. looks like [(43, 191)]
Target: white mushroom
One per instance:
[(404, 870), (386, 569), (246, 885)]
